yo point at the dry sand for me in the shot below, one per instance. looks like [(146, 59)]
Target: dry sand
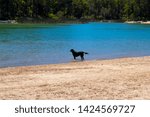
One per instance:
[(125, 78)]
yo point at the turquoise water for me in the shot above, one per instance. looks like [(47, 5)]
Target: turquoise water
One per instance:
[(36, 44)]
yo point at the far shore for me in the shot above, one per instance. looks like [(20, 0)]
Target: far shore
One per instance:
[(123, 78), (8, 22), (137, 22), (48, 21)]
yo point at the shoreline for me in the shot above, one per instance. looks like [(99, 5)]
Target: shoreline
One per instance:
[(73, 61), (137, 22), (121, 78), (72, 22), (50, 21)]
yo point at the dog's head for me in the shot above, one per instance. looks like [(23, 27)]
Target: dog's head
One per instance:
[(72, 50)]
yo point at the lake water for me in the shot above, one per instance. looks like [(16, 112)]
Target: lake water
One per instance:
[(34, 44)]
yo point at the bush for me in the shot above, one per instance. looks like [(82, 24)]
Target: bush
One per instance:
[(52, 16)]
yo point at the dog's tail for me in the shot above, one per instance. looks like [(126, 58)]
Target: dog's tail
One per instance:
[(86, 53)]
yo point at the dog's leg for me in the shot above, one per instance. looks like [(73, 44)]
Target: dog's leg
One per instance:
[(82, 57)]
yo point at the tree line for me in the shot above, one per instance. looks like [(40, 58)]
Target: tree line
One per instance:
[(75, 9)]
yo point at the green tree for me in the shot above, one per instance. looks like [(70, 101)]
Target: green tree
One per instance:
[(80, 8), (66, 9)]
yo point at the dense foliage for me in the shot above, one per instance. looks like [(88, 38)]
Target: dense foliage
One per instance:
[(75, 9)]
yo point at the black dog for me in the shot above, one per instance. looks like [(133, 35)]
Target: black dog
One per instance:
[(76, 54)]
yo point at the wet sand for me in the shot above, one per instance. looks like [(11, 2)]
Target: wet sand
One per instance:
[(124, 78)]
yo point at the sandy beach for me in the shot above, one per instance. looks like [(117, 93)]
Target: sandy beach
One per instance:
[(124, 78)]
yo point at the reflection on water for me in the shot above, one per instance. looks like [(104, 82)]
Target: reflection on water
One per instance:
[(42, 44)]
